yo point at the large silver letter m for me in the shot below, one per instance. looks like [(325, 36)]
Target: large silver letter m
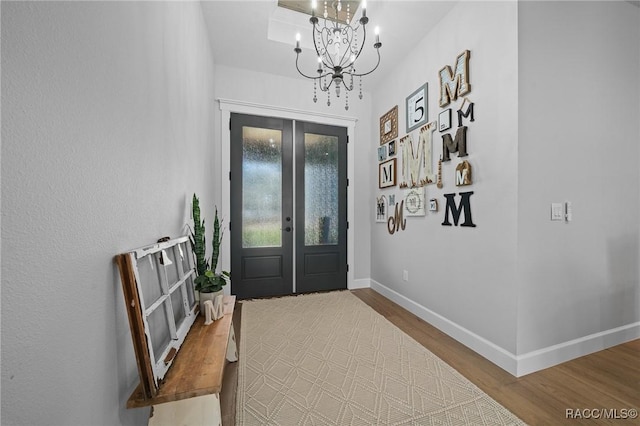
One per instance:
[(455, 84)]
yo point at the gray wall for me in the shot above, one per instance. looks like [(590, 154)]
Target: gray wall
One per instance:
[(464, 275), (106, 133), (557, 110), (578, 141)]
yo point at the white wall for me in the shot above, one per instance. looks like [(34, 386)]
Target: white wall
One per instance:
[(557, 112), (106, 133), (461, 279), (296, 95), (579, 141)]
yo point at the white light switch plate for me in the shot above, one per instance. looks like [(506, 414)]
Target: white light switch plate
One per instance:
[(557, 211)]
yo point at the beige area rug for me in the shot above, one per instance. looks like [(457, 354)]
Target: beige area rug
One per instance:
[(329, 359)]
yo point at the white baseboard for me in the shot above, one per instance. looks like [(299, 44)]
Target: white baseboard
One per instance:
[(517, 365), (360, 283), (562, 352), (491, 351)]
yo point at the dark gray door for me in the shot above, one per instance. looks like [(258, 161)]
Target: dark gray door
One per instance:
[(266, 216), (321, 207)]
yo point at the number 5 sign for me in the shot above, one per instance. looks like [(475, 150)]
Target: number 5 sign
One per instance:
[(417, 114)]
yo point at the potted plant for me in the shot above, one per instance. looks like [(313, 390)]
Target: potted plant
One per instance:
[(208, 283)]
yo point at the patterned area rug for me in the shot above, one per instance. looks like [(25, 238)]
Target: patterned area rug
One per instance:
[(329, 359)]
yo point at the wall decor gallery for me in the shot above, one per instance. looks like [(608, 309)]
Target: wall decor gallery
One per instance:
[(413, 167)]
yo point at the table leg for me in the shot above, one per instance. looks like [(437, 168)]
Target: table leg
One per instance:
[(232, 351), (197, 411)]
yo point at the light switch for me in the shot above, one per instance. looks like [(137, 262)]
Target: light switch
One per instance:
[(557, 211), (568, 211)]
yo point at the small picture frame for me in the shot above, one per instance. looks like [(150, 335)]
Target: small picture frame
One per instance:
[(387, 174), (381, 209), (382, 152), (414, 204), (417, 108), (392, 148), (433, 205), (389, 126), (444, 120)]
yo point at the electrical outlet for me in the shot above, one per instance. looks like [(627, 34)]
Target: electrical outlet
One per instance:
[(405, 275)]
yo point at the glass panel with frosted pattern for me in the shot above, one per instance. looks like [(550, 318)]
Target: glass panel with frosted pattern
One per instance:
[(178, 307), (158, 323), (170, 262), (320, 189), (261, 187), (149, 274)]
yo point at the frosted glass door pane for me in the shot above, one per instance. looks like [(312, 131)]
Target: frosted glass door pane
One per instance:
[(320, 189), (261, 187)]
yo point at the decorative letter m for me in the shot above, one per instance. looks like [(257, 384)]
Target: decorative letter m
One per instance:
[(459, 144), (454, 85), (456, 210)]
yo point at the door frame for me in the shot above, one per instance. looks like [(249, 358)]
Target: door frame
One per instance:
[(227, 107)]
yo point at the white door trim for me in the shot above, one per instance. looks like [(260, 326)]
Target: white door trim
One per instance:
[(228, 106)]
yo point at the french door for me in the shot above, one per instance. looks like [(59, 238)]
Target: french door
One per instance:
[(288, 207)]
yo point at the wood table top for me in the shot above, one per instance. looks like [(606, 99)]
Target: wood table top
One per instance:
[(199, 365)]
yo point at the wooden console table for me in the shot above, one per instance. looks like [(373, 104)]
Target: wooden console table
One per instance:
[(190, 392)]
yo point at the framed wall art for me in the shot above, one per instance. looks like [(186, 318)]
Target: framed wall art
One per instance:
[(387, 173), (382, 152), (444, 120), (392, 148), (414, 203), (381, 209), (392, 200), (417, 112), (389, 126)]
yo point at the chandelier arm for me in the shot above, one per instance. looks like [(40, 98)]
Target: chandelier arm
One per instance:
[(366, 73), (324, 46), (326, 89), (308, 76)]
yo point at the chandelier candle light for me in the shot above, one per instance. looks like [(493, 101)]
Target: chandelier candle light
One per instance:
[(338, 45)]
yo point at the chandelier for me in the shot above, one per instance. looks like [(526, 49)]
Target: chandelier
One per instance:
[(338, 46)]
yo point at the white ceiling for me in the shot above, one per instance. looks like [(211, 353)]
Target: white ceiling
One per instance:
[(245, 34)]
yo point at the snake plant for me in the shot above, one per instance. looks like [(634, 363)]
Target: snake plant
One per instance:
[(207, 280)]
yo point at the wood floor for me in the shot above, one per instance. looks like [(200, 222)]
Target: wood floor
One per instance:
[(608, 379)]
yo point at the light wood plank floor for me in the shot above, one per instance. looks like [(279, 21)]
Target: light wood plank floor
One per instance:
[(608, 379)]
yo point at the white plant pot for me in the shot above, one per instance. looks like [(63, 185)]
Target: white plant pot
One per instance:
[(208, 296)]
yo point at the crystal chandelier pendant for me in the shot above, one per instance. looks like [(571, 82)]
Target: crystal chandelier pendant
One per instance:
[(315, 98)]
